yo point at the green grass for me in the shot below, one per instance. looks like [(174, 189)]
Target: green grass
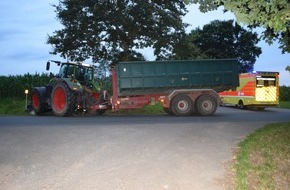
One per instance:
[(16, 106), (263, 159), (284, 104), (147, 110), (12, 106)]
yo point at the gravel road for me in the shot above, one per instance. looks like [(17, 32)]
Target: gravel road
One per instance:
[(124, 152)]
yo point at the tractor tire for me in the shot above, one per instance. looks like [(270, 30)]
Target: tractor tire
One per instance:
[(206, 105), (181, 105), (38, 106), (100, 112), (167, 110), (62, 100)]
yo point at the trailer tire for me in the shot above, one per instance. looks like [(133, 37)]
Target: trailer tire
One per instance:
[(37, 104), (181, 105), (206, 105), (62, 100)]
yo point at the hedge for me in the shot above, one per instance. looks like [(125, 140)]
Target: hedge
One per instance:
[(284, 93)]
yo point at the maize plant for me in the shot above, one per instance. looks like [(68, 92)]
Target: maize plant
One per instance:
[(14, 86)]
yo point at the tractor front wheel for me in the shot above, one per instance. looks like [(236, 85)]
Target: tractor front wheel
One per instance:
[(62, 100), (37, 104)]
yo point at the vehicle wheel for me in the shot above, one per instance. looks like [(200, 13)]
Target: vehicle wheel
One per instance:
[(38, 106), (181, 105), (62, 100), (206, 105), (100, 112), (167, 110), (241, 104)]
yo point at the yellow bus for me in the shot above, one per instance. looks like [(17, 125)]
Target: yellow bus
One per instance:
[(258, 89)]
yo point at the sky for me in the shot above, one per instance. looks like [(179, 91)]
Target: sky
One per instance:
[(25, 25)]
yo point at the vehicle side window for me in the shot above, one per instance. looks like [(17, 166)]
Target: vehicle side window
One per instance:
[(80, 73), (70, 71), (62, 71)]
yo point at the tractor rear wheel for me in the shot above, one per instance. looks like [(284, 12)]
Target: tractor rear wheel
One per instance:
[(62, 100), (100, 112), (167, 110)]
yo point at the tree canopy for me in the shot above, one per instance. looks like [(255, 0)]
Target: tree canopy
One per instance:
[(219, 40), (114, 29), (273, 15)]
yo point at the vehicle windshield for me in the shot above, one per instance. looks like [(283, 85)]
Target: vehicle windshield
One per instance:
[(66, 71)]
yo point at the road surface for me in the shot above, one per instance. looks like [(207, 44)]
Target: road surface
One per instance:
[(124, 152)]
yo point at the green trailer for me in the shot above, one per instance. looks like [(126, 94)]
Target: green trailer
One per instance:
[(183, 86)]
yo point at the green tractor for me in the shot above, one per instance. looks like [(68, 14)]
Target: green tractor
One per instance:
[(74, 90)]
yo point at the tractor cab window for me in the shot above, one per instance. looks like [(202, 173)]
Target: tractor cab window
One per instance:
[(80, 73), (62, 71), (66, 71), (88, 74), (84, 74)]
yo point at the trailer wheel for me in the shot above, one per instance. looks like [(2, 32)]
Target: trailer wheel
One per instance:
[(206, 105), (181, 105), (38, 106), (62, 100)]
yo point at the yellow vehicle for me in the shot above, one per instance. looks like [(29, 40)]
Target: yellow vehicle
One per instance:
[(257, 90)]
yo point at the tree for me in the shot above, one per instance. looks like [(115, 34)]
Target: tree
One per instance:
[(273, 15), (220, 40), (113, 29), (288, 68)]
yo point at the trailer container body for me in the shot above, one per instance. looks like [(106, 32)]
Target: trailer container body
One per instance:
[(183, 87), (147, 77)]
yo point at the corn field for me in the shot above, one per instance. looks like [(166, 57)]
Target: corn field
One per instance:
[(15, 86)]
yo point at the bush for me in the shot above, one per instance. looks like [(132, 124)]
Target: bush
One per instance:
[(284, 93)]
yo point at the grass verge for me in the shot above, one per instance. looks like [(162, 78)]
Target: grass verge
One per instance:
[(148, 110), (263, 159), (12, 106), (284, 104), (16, 106)]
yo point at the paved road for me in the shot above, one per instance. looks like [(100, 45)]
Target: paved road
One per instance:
[(124, 152)]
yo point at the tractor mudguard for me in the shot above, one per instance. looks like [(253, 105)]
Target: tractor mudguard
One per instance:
[(72, 84)]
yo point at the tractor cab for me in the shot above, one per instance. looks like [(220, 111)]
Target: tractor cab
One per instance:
[(77, 72)]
